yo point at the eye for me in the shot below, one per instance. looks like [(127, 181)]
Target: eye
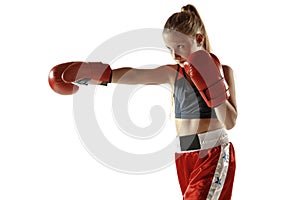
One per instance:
[(180, 46)]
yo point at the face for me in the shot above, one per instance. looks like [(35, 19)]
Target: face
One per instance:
[(180, 45)]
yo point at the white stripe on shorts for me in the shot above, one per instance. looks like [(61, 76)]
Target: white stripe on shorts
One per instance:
[(220, 173)]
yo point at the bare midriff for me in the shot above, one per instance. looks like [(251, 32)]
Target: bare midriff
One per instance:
[(196, 126)]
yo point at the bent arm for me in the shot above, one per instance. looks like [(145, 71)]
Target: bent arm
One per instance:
[(227, 111), (159, 75)]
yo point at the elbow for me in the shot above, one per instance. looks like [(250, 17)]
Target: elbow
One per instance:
[(227, 115), (230, 123), (229, 126)]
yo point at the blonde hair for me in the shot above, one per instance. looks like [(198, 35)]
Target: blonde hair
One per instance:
[(188, 22)]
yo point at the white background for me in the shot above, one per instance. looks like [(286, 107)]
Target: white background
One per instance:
[(41, 154)]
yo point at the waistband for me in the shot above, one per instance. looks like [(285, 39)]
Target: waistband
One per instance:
[(201, 141)]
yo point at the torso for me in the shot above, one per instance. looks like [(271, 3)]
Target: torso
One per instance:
[(194, 126)]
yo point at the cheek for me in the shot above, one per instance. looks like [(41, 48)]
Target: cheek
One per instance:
[(185, 53), (194, 48), (189, 50)]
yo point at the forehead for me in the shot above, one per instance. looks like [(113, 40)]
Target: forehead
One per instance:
[(174, 37)]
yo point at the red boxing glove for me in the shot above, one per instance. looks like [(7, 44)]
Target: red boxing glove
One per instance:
[(56, 82), (63, 76), (96, 73), (206, 73)]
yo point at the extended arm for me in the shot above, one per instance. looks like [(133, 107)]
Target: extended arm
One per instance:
[(64, 78), (159, 75)]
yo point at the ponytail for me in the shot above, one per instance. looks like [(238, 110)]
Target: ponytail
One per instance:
[(190, 9)]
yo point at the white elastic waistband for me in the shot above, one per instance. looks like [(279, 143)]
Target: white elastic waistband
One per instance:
[(207, 140)]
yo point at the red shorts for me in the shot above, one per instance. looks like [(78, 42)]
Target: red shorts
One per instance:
[(207, 173)]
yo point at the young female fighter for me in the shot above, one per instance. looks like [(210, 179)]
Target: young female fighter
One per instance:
[(204, 97)]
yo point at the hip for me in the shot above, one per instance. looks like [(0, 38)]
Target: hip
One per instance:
[(202, 141)]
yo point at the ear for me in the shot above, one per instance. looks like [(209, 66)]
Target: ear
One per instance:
[(199, 39)]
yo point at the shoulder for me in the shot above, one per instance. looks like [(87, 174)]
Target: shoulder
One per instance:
[(227, 70), (161, 74), (228, 75), (169, 69)]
